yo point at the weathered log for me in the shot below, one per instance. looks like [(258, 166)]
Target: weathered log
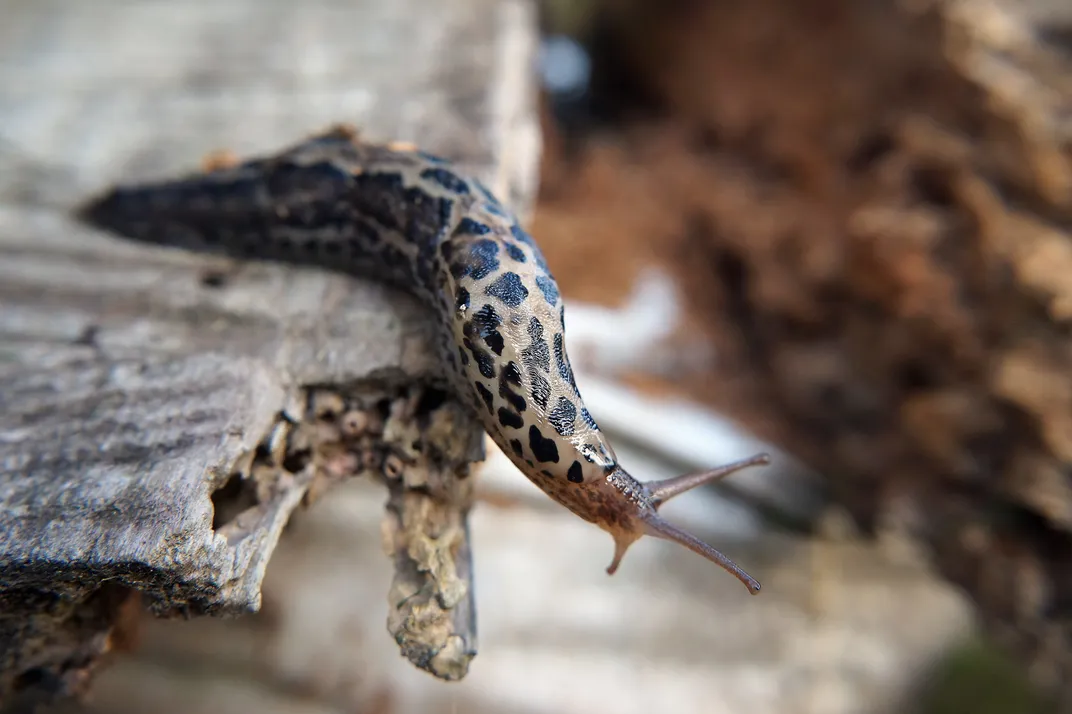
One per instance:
[(162, 414)]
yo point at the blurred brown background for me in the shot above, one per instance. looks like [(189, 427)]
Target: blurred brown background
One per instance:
[(868, 206)]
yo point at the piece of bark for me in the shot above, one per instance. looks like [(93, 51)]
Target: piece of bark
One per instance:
[(162, 414)]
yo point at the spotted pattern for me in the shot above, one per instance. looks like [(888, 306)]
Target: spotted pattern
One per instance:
[(484, 361), (545, 450), (469, 226), (549, 289), (510, 418), (409, 219), (541, 390), (518, 255), (565, 371), (536, 356), (563, 416), (483, 259), (507, 376), (486, 396), (486, 320), (509, 288), (446, 179)]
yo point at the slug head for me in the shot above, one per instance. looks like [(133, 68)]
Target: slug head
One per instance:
[(645, 519)]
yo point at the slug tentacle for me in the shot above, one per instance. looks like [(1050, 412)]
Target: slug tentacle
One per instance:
[(663, 491), (661, 529), (411, 219), (648, 497)]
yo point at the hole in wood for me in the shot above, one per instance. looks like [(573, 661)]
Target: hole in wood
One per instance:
[(232, 498), (213, 279)]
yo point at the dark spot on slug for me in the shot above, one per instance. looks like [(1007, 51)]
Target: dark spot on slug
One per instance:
[(515, 252), (564, 369), (508, 288), (512, 374), (494, 340), (467, 226), (510, 419), (575, 475), (487, 396), (486, 321), (545, 450), (536, 355), (548, 287), (486, 365), (447, 180), (586, 451), (464, 357), (459, 269), (516, 400), (483, 258), (495, 209), (461, 300), (519, 450), (520, 235), (563, 416), (384, 198), (484, 361), (541, 391)]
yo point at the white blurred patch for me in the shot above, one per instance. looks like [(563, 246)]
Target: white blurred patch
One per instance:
[(564, 66), (635, 336)]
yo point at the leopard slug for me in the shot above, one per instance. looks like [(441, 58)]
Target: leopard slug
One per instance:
[(409, 219)]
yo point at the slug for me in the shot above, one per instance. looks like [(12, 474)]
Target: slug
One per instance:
[(410, 219)]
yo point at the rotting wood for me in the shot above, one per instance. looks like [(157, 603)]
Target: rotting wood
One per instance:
[(158, 410)]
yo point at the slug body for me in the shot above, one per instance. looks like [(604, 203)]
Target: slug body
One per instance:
[(407, 218)]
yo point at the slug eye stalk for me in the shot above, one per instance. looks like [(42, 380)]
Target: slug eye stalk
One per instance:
[(662, 491)]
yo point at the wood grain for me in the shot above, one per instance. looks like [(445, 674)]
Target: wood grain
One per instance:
[(136, 383)]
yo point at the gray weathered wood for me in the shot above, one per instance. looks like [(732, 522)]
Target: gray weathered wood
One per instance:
[(134, 382)]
